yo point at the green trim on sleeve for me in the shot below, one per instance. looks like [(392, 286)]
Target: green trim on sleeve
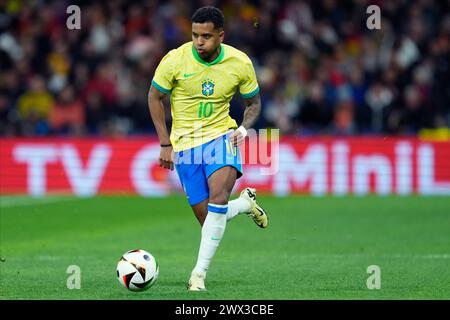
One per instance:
[(251, 94), (159, 88)]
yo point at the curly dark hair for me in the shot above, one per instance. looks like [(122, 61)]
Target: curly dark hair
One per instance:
[(209, 14)]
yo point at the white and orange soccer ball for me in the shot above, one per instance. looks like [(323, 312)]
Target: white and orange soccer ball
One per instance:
[(137, 270)]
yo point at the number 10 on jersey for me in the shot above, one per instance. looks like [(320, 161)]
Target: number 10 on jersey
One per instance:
[(205, 110)]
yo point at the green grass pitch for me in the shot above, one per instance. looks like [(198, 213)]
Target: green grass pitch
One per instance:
[(314, 248)]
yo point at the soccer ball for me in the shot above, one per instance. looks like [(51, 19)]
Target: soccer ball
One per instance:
[(137, 270)]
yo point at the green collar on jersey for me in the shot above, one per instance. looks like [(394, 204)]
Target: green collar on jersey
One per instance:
[(217, 60)]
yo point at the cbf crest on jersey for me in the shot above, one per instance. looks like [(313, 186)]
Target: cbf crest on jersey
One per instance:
[(207, 87)]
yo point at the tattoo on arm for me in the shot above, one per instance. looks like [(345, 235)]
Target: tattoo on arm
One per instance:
[(252, 111)]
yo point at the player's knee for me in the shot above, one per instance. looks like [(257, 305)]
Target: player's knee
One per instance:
[(219, 198)]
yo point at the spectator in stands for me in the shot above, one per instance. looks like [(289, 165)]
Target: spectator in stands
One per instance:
[(67, 115), (316, 55), (35, 106), (281, 111), (316, 113)]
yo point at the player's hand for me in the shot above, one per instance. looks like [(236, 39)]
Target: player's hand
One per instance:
[(166, 157), (237, 138)]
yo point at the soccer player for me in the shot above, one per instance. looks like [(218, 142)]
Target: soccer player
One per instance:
[(201, 77)]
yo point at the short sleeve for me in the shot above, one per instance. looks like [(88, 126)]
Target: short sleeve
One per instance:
[(248, 86), (164, 76)]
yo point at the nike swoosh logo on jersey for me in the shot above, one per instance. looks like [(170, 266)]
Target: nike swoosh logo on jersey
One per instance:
[(187, 75)]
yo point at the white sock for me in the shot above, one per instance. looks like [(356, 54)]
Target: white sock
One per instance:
[(212, 232), (237, 206)]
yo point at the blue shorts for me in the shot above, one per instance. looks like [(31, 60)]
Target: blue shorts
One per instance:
[(195, 165)]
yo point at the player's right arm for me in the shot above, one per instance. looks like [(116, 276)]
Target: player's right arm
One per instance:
[(161, 86), (156, 106)]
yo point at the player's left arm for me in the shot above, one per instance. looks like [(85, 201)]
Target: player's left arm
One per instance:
[(251, 114)]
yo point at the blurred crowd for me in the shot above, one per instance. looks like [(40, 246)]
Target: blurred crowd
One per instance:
[(320, 69)]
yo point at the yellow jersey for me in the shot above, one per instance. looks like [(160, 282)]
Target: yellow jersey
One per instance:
[(200, 92)]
